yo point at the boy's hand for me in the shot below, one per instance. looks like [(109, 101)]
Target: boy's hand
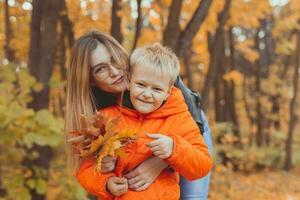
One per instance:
[(162, 146), (108, 164), (117, 186)]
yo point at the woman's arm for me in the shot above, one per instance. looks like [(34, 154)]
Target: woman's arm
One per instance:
[(145, 174), (190, 189), (92, 181)]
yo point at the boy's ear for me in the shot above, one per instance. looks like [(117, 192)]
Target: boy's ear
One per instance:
[(169, 92)]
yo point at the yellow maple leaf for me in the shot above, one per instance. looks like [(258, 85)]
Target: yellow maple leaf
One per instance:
[(106, 140)]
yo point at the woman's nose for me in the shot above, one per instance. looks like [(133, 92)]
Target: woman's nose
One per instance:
[(114, 71)]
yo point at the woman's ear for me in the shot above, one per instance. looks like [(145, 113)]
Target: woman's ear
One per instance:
[(92, 81)]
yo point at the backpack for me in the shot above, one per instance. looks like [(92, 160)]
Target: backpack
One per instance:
[(193, 101)]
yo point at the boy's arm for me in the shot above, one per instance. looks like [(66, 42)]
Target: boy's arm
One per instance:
[(92, 181), (190, 156)]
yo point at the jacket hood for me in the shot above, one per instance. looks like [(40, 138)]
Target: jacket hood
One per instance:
[(173, 105)]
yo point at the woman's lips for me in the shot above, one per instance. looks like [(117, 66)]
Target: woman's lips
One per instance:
[(119, 80)]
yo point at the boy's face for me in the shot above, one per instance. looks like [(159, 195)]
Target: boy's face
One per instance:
[(148, 90)]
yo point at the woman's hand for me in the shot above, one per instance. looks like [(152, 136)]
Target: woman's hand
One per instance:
[(117, 186), (108, 164), (161, 146), (79, 143), (145, 174)]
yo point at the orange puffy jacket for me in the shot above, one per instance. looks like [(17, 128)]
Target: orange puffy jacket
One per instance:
[(190, 157)]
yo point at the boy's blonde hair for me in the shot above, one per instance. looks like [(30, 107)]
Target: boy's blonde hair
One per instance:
[(158, 57)]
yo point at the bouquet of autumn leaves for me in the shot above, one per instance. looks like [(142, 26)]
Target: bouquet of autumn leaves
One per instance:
[(103, 138)]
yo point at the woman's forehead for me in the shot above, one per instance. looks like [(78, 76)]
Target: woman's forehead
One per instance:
[(100, 54)]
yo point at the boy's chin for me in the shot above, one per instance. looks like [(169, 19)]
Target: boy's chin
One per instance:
[(144, 109)]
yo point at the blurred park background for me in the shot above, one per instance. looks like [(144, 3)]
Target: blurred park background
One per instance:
[(243, 56)]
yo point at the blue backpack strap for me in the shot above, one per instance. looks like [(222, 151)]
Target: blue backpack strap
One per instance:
[(192, 100)]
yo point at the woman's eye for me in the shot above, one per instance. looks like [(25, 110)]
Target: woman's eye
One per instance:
[(100, 69)]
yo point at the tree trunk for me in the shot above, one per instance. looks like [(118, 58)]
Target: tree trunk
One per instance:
[(211, 74), (232, 95), (248, 112), (220, 86), (258, 107), (186, 36), (41, 64), (218, 99), (138, 25), (67, 24), (115, 29), (172, 31), (35, 34), (9, 52), (47, 53), (67, 33), (293, 109), (189, 73)]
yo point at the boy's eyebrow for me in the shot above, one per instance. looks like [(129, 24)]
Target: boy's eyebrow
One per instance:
[(154, 84)]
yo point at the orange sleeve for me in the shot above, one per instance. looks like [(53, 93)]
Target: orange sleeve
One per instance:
[(92, 181), (190, 156)]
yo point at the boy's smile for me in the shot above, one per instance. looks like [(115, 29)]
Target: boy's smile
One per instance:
[(149, 88)]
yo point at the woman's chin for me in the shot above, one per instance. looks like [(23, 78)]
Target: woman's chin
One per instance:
[(118, 88)]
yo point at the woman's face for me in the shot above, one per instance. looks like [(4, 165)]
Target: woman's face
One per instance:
[(106, 75)]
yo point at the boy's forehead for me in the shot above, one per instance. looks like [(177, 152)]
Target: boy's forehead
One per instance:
[(152, 76)]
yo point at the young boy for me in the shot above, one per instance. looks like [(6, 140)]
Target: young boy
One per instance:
[(154, 106)]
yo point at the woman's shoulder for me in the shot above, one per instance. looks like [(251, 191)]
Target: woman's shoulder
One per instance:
[(110, 110)]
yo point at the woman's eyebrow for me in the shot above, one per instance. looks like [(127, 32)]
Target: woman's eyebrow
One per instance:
[(101, 63)]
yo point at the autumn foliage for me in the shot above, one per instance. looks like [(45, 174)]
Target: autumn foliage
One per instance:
[(105, 139)]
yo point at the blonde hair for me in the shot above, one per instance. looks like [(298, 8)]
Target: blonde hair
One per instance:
[(158, 57), (80, 98)]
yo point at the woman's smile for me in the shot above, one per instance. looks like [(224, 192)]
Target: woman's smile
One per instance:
[(119, 80)]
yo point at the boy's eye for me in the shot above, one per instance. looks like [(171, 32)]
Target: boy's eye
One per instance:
[(157, 89)]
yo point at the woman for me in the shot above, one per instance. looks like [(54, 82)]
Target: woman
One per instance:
[(96, 78)]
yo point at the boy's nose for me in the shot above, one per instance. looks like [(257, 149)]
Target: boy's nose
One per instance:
[(147, 94)]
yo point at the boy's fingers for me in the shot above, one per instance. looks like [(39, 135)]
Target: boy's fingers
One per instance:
[(155, 148), (154, 136), (120, 180), (108, 159), (158, 153), (153, 143), (107, 165)]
